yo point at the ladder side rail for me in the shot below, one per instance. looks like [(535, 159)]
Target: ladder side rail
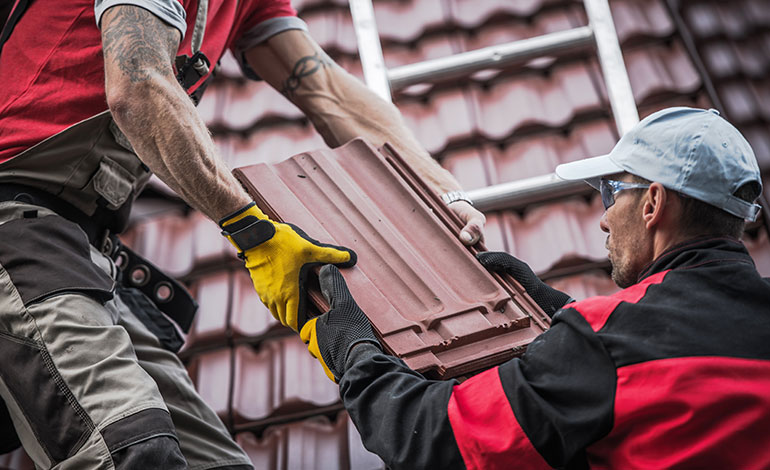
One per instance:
[(369, 48), (613, 67)]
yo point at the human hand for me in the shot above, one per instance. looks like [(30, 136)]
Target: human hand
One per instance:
[(331, 336), (473, 230), (278, 257), (548, 298)]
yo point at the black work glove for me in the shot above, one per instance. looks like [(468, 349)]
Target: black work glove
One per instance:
[(331, 336), (548, 298)]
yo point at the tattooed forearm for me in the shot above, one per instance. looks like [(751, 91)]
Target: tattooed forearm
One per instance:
[(304, 67), (138, 42)]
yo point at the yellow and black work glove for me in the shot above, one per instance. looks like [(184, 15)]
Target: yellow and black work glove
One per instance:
[(278, 257), (548, 298), (330, 337)]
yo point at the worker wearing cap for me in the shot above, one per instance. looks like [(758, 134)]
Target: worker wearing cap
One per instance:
[(98, 95), (673, 371)]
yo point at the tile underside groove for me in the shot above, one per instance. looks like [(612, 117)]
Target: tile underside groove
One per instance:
[(733, 39), (424, 312)]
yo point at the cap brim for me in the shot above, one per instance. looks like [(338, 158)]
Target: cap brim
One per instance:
[(589, 169)]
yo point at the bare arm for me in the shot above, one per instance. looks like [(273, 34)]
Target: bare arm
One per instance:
[(342, 108), (156, 115)]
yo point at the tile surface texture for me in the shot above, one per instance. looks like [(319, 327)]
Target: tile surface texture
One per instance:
[(431, 302)]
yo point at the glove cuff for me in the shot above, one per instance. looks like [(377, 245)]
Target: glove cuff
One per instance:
[(249, 209), (247, 228)]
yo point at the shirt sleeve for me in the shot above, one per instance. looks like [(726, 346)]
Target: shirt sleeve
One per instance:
[(262, 23), (401, 416), (540, 411), (170, 11)]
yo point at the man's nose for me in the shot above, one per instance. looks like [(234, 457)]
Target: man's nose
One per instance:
[(603, 223)]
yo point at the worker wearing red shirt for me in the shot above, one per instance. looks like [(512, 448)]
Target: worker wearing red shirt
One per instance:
[(671, 372), (97, 97)]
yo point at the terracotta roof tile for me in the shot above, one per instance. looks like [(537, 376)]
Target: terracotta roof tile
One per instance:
[(539, 155), (641, 18), (535, 101), (557, 234), (208, 244), (332, 29), (272, 144), (726, 59), (249, 102), (249, 318), (339, 197), (471, 13), (497, 232), (280, 377), (16, 460), (212, 379), (758, 136), (406, 20), (323, 445), (470, 166), (759, 248), (213, 295), (166, 241), (588, 284), (660, 71), (444, 118)]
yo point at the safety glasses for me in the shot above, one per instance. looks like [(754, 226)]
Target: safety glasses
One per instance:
[(609, 188)]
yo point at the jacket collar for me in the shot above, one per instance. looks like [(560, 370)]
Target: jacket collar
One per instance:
[(698, 251)]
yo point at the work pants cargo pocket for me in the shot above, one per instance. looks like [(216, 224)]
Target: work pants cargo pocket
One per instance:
[(46, 256), (43, 257)]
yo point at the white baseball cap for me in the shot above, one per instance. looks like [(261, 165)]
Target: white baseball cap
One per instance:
[(692, 151)]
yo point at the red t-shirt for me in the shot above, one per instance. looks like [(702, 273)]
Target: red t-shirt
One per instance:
[(52, 69)]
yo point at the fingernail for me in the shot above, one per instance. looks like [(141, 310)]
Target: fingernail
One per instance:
[(466, 237)]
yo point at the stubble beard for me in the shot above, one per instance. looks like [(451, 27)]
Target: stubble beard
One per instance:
[(623, 273)]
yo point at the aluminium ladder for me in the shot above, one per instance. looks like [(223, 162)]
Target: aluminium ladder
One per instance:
[(599, 32)]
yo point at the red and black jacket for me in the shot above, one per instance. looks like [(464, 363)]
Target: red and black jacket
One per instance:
[(673, 372)]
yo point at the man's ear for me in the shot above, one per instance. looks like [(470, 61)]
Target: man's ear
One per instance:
[(654, 205)]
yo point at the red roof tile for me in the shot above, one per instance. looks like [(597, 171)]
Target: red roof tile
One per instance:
[(471, 13), (406, 20), (446, 117), (558, 234), (213, 295), (16, 460), (535, 101), (332, 29), (588, 284), (539, 155), (660, 71), (208, 244), (311, 444), (470, 166), (279, 378), (249, 318), (250, 102), (759, 248), (166, 241), (212, 379), (413, 300), (271, 144)]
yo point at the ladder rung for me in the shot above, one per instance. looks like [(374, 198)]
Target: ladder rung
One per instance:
[(502, 55), (521, 193)]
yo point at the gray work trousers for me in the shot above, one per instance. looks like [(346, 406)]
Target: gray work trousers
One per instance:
[(87, 384)]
